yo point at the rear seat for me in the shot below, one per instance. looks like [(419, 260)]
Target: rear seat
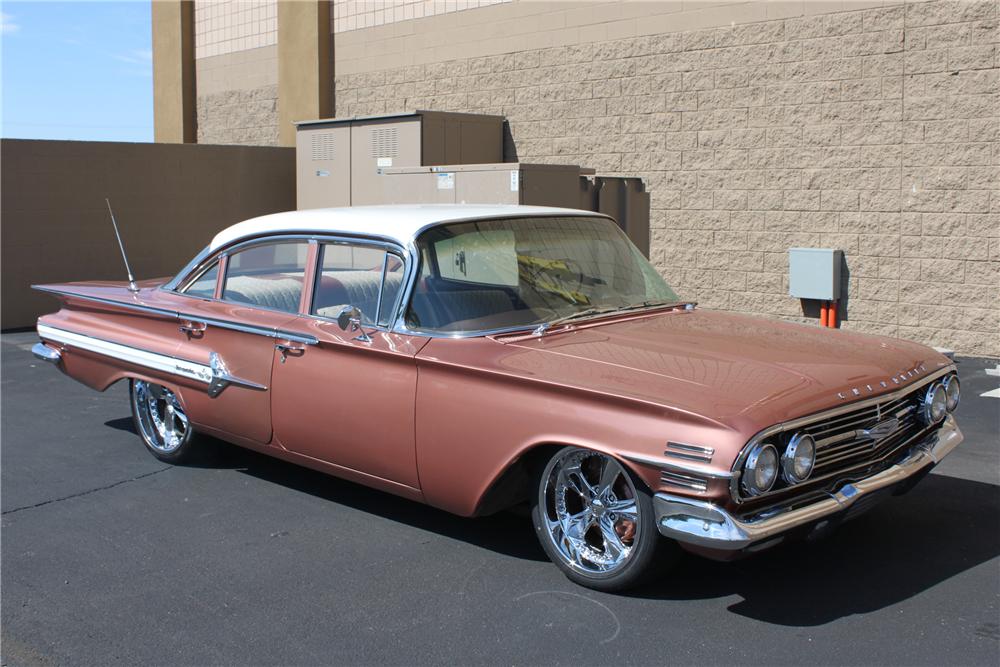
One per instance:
[(270, 292)]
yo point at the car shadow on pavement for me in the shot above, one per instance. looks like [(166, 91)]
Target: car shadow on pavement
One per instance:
[(900, 548), (903, 546), (504, 533)]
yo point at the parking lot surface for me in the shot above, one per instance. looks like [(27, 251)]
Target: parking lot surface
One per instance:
[(111, 557)]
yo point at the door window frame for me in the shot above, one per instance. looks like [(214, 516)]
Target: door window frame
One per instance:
[(387, 249)]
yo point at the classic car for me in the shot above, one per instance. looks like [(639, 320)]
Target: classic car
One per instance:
[(479, 358)]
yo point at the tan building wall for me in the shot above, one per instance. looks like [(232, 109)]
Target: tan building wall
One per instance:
[(870, 130), (169, 199), (757, 126)]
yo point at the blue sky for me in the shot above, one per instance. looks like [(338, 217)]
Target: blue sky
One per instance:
[(76, 70)]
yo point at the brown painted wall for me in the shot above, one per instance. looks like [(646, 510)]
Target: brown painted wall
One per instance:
[(169, 199)]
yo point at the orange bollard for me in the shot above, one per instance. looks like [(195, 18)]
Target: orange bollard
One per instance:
[(831, 316), (823, 314)]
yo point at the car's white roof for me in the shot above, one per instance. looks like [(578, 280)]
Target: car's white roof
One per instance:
[(399, 223)]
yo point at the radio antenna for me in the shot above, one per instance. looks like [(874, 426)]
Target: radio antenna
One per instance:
[(132, 287)]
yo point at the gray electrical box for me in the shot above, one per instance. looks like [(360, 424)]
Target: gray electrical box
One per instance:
[(814, 273)]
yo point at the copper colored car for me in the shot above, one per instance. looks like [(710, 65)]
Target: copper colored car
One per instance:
[(476, 358)]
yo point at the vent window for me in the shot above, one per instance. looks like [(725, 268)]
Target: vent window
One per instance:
[(385, 142), (323, 146)]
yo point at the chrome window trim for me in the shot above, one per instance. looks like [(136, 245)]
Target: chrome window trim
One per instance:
[(407, 253), (205, 268), (345, 239), (736, 471)]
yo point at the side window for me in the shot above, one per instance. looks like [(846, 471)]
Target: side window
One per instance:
[(351, 275), (204, 285), (269, 276)]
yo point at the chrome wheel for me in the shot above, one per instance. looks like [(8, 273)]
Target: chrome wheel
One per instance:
[(161, 419), (589, 505)]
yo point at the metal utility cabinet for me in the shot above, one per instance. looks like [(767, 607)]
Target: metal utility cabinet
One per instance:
[(338, 160), (562, 185), (504, 183)]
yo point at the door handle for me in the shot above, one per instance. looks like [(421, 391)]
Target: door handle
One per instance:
[(192, 328), (288, 347)]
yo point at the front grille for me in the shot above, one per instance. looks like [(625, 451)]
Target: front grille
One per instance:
[(864, 435), (850, 445)]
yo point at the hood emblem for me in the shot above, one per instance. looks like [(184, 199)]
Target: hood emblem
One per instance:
[(901, 378)]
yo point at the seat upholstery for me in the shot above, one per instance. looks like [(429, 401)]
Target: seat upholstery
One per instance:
[(355, 288), (279, 293)]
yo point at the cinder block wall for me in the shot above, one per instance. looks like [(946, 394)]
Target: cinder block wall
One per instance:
[(866, 125), (871, 130), (169, 199)]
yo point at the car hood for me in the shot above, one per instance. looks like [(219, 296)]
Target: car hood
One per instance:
[(744, 372)]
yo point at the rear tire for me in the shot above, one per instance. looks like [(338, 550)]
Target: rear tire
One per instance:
[(595, 521), (161, 422)]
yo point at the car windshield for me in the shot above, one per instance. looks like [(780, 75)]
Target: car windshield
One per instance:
[(504, 274)]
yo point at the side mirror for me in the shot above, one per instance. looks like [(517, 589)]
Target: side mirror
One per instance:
[(349, 318)]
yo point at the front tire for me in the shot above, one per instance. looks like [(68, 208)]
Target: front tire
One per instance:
[(595, 521), (161, 422)]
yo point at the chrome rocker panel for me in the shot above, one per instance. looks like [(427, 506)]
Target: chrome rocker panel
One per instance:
[(705, 524)]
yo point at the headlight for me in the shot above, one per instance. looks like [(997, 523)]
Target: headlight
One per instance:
[(952, 392), (798, 459), (760, 470), (934, 405)]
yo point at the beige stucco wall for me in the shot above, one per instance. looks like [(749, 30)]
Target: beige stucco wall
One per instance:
[(169, 199), (873, 130)]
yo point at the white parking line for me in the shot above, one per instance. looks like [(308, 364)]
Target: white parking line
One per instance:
[(995, 393), (993, 371)]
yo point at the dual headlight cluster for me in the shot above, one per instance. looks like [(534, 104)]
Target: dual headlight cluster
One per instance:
[(940, 399), (764, 465)]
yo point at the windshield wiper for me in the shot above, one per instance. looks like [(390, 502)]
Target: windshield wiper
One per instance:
[(593, 312), (580, 314), (657, 304)]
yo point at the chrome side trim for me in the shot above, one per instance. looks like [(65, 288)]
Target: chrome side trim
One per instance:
[(214, 375), (706, 524), (45, 353), (682, 468), (736, 470), (683, 481), (691, 452), (173, 314)]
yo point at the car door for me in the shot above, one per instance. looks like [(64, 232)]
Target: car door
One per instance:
[(348, 400), (231, 324)]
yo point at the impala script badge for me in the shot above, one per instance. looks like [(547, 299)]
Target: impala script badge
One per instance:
[(902, 378)]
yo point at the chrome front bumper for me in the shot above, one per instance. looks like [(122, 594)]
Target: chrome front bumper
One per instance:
[(696, 522)]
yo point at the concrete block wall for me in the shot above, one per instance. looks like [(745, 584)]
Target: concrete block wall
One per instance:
[(873, 129)]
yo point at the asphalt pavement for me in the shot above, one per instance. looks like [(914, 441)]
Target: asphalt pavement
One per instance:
[(111, 557)]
